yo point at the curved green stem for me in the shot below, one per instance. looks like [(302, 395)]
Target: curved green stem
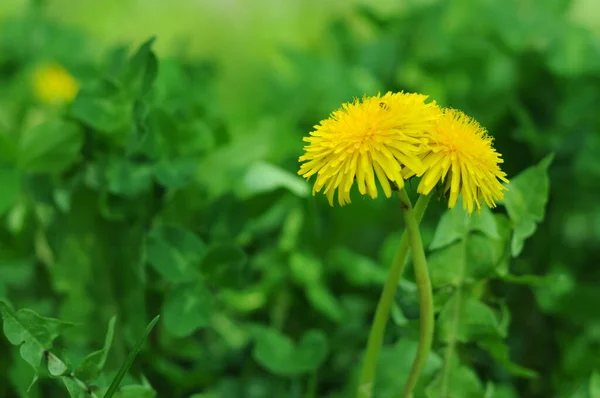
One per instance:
[(382, 313), (425, 293)]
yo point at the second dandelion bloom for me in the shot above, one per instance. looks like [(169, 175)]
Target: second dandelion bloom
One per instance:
[(461, 156), (378, 136)]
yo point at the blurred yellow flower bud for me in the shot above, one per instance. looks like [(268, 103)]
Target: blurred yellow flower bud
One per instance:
[(53, 84)]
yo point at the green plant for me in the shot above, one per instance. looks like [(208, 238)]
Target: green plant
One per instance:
[(165, 188)]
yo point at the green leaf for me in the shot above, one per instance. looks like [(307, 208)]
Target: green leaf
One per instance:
[(50, 147), (108, 115), (501, 391), (292, 227), (176, 173), (141, 71), (271, 219), (10, 186), (499, 351), (75, 387), (31, 332), (264, 177), (14, 270), (23, 377), (554, 295), (595, 384), (56, 367), (502, 244), (281, 356), (481, 259), (175, 253), (132, 391), (187, 308), (235, 334), (466, 319), (172, 141), (306, 270), (8, 148), (455, 380), (112, 389), (445, 266), (525, 202), (92, 365), (398, 316), (484, 222), (529, 280), (456, 222), (127, 178), (452, 226), (223, 264), (394, 365), (246, 300), (135, 391), (324, 301), (357, 269)]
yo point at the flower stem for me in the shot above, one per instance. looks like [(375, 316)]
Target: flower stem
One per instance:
[(382, 313), (425, 294)]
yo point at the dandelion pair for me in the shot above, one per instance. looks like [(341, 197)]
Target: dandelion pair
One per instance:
[(390, 139)]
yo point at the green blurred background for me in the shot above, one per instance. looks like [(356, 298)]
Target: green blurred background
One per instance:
[(172, 190)]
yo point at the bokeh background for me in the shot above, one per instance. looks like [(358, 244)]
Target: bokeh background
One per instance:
[(168, 186)]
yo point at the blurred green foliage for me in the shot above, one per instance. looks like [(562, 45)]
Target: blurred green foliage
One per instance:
[(168, 186)]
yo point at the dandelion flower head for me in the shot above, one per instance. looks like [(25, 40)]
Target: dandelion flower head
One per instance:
[(378, 136), (53, 84), (460, 155)]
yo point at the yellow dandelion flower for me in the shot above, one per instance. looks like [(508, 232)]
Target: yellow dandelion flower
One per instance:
[(378, 136), (53, 84), (461, 156)]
